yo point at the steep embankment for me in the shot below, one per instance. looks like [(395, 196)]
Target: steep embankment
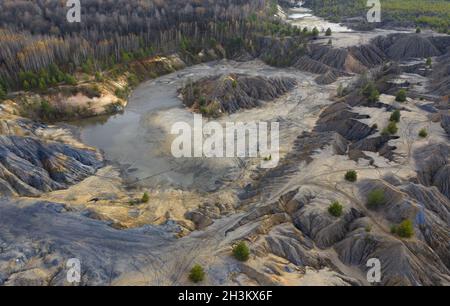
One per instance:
[(92, 94)]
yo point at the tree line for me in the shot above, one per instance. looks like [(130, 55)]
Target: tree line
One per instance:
[(39, 48)]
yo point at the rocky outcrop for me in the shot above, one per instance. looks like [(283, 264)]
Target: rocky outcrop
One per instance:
[(229, 93)]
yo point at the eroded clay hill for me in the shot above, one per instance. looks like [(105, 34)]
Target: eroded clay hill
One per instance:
[(282, 213), (287, 222), (229, 93), (331, 62), (35, 158)]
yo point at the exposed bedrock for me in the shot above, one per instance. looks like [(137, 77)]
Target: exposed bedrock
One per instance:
[(232, 92), (29, 166)]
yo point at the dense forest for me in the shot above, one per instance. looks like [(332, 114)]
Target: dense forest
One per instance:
[(433, 14), (39, 47)]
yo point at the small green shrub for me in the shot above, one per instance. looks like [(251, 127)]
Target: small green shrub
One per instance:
[(429, 62), (98, 76), (133, 80), (401, 96), (2, 93), (70, 80), (340, 90), (145, 198), (197, 274), (335, 209), (423, 133), (92, 91), (47, 110), (371, 92), (376, 198), (395, 116), (405, 229), (315, 32), (241, 251), (418, 30), (122, 93), (203, 110), (391, 129), (351, 176), (268, 158), (328, 32)]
